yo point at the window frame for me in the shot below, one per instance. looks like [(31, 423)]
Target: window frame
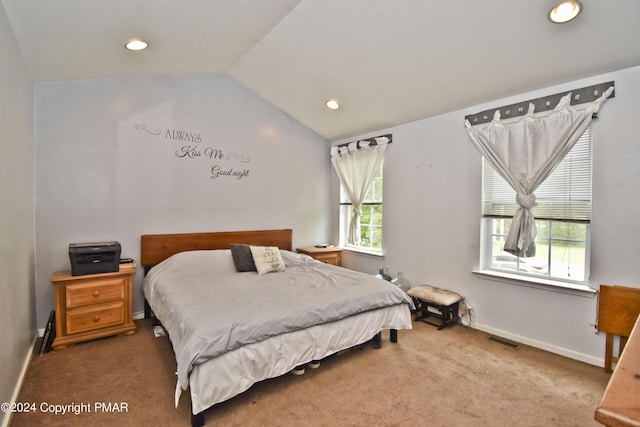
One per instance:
[(487, 255), (487, 240), (345, 209)]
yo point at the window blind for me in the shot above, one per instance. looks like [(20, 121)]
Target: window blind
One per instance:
[(565, 194)]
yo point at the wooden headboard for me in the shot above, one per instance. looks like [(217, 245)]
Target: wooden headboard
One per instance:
[(155, 248)]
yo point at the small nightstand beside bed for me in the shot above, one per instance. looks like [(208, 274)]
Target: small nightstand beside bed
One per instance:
[(231, 329)]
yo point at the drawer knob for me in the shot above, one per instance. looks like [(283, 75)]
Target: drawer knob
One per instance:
[(96, 318), (96, 293)]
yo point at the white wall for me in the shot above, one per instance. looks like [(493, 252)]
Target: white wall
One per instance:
[(107, 168), (432, 221), (17, 313), (103, 174)]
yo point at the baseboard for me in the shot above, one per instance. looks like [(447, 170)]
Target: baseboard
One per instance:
[(16, 391), (40, 332), (542, 345)]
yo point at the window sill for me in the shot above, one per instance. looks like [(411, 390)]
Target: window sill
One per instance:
[(361, 251), (539, 283)]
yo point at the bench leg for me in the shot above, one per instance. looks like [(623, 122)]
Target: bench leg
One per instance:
[(448, 314)]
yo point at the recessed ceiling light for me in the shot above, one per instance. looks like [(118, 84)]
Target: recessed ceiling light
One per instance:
[(333, 104), (136, 44), (565, 11)]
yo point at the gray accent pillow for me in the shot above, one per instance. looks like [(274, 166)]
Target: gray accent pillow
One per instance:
[(242, 257)]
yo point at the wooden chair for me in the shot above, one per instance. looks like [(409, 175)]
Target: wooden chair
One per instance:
[(618, 309)]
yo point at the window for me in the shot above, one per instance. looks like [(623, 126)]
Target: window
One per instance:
[(371, 220), (562, 217)]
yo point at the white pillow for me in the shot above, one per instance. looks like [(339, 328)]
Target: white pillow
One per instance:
[(267, 259)]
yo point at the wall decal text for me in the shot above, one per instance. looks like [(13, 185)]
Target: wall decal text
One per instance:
[(195, 149)]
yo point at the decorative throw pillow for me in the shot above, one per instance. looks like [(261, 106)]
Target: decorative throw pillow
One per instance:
[(267, 259), (242, 257)]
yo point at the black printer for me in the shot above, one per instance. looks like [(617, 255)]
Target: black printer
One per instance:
[(94, 258)]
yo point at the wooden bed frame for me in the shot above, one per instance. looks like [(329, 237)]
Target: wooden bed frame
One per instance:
[(158, 247), (155, 248)]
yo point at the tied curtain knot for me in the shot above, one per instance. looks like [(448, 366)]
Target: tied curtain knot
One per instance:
[(527, 201)]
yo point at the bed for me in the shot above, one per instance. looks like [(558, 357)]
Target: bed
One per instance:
[(231, 327)]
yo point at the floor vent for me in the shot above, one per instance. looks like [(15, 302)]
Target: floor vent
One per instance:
[(503, 341)]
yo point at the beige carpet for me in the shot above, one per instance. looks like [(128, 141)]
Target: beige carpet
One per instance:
[(454, 377)]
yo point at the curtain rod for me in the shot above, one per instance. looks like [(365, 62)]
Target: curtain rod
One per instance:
[(372, 141), (545, 103)]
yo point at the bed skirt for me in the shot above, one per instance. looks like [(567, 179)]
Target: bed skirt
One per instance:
[(232, 373)]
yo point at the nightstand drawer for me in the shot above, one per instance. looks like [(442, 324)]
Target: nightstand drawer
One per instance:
[(329, 255), (90, 318), (95, 292), (93, 306), (329, 258)]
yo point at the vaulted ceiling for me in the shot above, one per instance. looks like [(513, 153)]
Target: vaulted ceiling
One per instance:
[(387, 62)]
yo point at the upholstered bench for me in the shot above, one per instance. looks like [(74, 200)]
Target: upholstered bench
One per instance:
[(446, 302)]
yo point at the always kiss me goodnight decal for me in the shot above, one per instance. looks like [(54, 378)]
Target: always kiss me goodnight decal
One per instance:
[(189, 145)]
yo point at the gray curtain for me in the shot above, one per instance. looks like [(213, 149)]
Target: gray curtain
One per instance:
[(525, 152)]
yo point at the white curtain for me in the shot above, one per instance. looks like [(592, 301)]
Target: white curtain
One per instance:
[(524, 153), (356, 169)]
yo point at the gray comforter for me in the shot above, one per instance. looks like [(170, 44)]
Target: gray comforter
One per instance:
[(208, 308)]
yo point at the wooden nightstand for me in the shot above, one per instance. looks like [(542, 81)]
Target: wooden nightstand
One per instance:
[(93, 306), (330, 255)]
